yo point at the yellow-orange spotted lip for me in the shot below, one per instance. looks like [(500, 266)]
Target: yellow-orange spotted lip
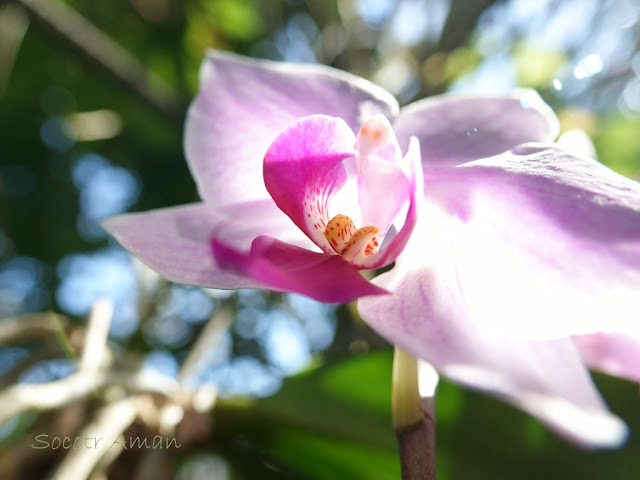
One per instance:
[(348, 241)]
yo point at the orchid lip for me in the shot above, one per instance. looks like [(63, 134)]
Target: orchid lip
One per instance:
[(328, 180), (348, 241)]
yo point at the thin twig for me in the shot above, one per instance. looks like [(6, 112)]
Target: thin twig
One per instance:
[(95, 342), (47, 396), (13, 26), (18, 329), (45, 351), (208, 339), (64, 342), (88, 42), (101, 434)]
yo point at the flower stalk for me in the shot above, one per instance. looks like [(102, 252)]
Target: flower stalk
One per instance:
[(412, 421)]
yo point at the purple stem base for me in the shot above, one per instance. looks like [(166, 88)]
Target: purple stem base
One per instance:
[(417, 446)]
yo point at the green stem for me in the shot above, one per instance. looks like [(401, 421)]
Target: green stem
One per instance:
[(413, 420), (63, 339)]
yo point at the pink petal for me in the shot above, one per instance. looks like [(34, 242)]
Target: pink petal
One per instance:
[(427, 315), (413, 171), (546, 244), (240, 224), (244, 103), (383, 189), (454, 130), (175, 242), (287, 268), (303, 169), (613, 353)]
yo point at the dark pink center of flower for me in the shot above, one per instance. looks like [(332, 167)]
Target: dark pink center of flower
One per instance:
[(344, 192), (355, 244)]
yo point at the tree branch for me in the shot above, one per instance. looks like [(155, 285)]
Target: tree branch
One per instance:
[(73, 30), (48, 396)]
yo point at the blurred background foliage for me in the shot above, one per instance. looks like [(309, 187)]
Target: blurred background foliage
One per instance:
[(92, 102)]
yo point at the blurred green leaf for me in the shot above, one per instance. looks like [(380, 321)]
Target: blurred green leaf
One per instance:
[(618, 144), (349, 400), (322, 457), (357, 382), (317, 426), (536, 68), (237, 20), (460, 62)]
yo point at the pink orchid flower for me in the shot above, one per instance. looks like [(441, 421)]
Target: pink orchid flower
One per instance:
[(516, 262)]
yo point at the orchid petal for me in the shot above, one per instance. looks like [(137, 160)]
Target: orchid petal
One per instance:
[(303, 169), (383, 189), (175, 242), (613, 353), (240, 224), (413, 173), (541, 235), (454, 130), (287, 268), (244, 103), (427, 316), (577, 142)]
